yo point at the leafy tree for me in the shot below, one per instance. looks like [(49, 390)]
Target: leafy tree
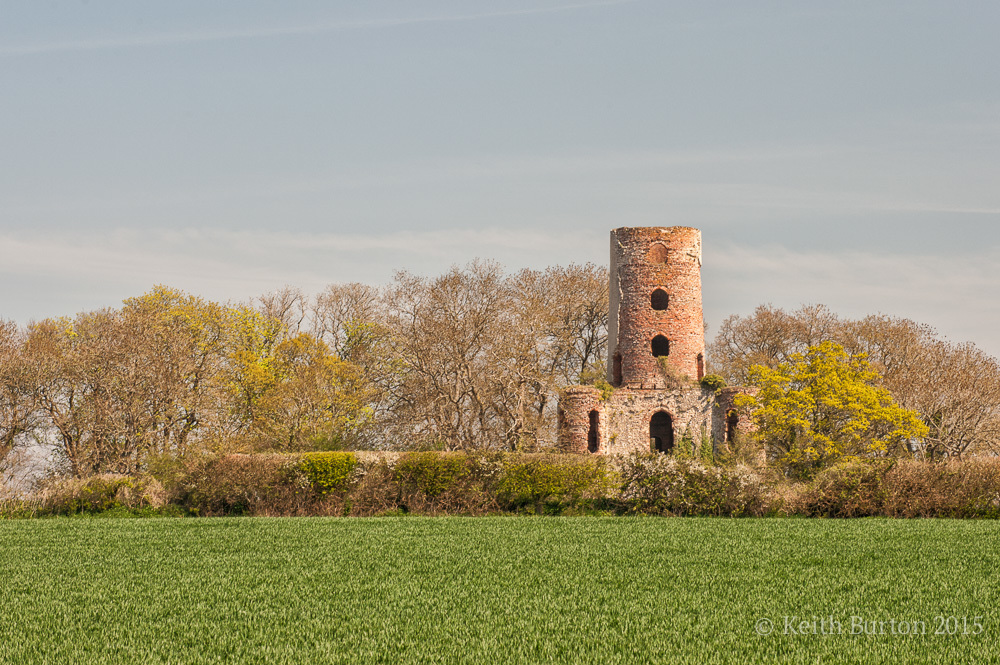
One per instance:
[(954, 387), (825, 406), (315, 395), (183, 345)]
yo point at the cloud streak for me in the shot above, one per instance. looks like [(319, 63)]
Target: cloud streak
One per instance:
[(947, 292), (227, 265), (170, 39)]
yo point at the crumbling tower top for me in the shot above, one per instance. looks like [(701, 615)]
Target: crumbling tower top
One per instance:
[(655, 306)]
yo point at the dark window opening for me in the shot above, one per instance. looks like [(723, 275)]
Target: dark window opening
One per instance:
[(732, 422), (658, 253), (661, 346), (594, 434), (701, 367), (616, 370), (659, 300), (661, 432)]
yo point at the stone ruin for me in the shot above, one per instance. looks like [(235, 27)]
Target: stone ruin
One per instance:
[(656, 355)]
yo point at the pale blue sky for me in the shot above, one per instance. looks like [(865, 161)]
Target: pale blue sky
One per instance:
[(845, 153)]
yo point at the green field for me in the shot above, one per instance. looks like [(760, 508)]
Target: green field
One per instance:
[(478, 590)]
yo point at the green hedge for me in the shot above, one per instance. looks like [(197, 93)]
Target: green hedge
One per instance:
[(328, 472), (477, 483), (557, 482), (430, 473)]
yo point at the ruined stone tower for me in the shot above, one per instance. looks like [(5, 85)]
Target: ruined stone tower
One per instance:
[(656, 354), (655, 306)]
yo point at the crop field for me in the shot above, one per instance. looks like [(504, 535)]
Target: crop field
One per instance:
[(483, 590)]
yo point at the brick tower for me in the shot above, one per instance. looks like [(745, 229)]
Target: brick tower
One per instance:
[(656, 355), (655, 306)]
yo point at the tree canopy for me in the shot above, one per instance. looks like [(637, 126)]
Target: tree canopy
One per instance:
[(955, 387), (824, 406)]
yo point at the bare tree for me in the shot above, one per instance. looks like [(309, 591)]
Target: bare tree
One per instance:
[(767, 337), (287, 304), (444, 332), (18, 397), (340, 309), (482, 354)]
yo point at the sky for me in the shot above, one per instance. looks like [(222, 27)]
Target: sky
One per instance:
[(843, 153)]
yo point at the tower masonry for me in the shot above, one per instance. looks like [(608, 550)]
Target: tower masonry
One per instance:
[(656, 355), (655, 312)]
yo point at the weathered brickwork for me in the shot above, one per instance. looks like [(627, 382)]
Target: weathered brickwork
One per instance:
[(575, 406), (727, 420), (655, 317), (630, 413), (667, 262)]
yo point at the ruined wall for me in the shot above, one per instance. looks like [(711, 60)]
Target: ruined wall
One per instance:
[(655, 305), (629, 413), (575, 406), (726, 420)]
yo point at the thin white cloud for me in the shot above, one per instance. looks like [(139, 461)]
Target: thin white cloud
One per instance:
[(168, 39), (644, 170), (234, 265), (945, 291)]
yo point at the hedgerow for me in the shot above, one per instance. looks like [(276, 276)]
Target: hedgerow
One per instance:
[(480, 483)]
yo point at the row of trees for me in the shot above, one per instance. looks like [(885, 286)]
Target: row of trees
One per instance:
[(472, 358), (954, 387)]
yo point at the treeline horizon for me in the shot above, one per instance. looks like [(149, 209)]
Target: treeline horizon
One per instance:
[(472, 359)]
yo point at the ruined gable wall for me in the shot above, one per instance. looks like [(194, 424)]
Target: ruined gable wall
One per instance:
[(629, 412)]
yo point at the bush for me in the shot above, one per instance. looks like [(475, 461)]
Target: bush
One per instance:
[(101, 493), (328, 472), (241, 484), (448, 482), (656, 484), (848, 489), (713, 382), (673, 378), (430, 473), (558, 482), (965, 489)]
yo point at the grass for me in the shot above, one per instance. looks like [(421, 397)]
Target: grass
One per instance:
[(481, 590)]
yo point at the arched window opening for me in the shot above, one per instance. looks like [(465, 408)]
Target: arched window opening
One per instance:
[(616, 370), (658, 253), (661, 346), (659, 300), (732, 422), (701, 366), (594, 434), (661, 432)]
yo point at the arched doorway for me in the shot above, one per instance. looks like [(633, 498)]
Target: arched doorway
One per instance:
[(732, 425), (659, 300), (660, 346), (661, 432), (594, 433)]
